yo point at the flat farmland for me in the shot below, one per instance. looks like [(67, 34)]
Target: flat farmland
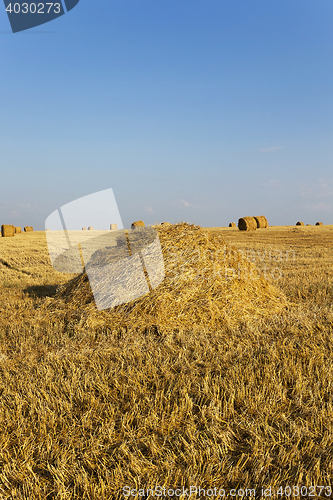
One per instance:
[(85, 415), (297, 259)]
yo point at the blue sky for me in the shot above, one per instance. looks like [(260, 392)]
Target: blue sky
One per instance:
[(196, 110)]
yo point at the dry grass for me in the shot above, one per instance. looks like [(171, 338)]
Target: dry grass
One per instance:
[(87, 411), (207, 285)]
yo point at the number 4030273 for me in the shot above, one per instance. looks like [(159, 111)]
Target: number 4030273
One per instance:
[(33, 8)]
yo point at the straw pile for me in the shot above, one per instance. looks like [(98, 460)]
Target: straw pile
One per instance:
[(27, 229), (319, 224), (261, 221), (18, 230), (7, 230), (207, 285), (299, 223), (247, 224), (232, 224), (138, 223)]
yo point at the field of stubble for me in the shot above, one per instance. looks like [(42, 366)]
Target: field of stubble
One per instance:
[(83, 416)]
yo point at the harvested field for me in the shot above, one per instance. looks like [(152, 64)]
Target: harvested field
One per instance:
[(90, 406)]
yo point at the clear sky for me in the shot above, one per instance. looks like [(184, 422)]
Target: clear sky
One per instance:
[(196, 110)]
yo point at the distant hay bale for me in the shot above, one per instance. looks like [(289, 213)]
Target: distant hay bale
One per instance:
[(27, 229), (308, 224), (84, 229), (261, 221), (138, 223), (113, 227), (247, 224), (232, 224), (319, 224), (299, 223), (7, 230), (166, 224), (47, 229), (90, 228), (18, 230)]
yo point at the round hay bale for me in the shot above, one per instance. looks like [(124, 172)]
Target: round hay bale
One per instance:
[(308, 224), (138, 223), (113, 227), (261, 221), (299, 223), (90, 228), (232, 224), (18, 230), (319, 224), (27, 229), (247, 224), (7, 230), (84, 229)]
